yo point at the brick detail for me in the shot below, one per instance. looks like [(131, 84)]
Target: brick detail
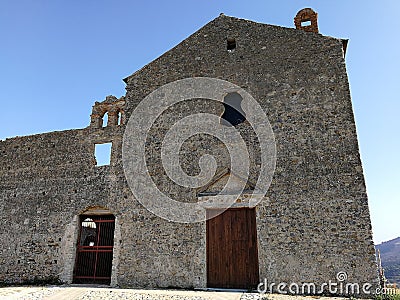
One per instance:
[(305, 15)]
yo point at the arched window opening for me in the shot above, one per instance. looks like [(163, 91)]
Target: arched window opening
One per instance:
[(105, 119), (88, 232), (88, 222), (233, 114), (119, 118)]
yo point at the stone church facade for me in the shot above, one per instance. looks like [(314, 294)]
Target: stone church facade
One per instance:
[(64, 217)]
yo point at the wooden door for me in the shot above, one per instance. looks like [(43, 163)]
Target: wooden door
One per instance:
[(232, 254)]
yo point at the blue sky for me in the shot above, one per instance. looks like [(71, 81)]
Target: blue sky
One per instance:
[(58, 57)]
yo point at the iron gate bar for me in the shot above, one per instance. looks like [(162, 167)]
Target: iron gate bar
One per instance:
[(90, 277), (95, 247), (97, 253), (102, 251)]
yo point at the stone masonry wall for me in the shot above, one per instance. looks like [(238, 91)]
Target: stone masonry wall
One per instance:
[(313, 222), (46, 180)]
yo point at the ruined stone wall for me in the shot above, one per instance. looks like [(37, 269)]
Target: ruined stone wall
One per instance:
[(46, 180), (313, 222)]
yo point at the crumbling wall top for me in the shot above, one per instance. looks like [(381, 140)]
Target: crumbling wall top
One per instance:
[(114, 107)]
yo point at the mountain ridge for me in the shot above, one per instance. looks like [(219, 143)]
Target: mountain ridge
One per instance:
[(390, 256)]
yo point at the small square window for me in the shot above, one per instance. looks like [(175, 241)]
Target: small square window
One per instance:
[(305, 23), (102, 153), (230, 44)]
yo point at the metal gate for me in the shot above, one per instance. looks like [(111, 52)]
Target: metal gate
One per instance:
[(95, 249)]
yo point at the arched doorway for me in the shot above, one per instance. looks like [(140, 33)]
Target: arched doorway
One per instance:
[(94, 251)]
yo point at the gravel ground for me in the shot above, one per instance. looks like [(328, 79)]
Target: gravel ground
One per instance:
[(89, 293), (26, 293), (102, 295)]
